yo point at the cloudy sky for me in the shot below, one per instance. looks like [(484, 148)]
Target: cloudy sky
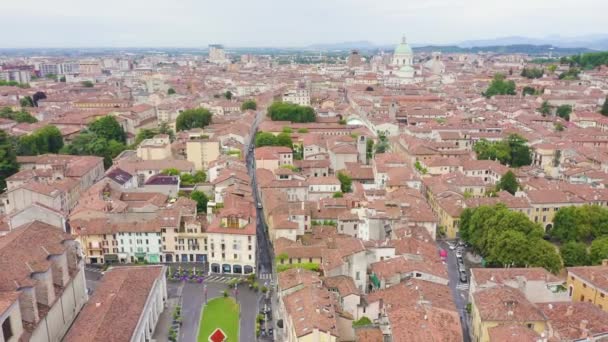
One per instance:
[(196, 23)]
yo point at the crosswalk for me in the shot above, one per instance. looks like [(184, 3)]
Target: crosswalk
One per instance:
[(219, 279), (265, 276), (463, 286), (93, 269)]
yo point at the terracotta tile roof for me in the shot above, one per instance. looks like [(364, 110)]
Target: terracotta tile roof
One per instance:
[(114, 310), (344, 284), (25, 250), (296, 276), (575, 320), (512, 332), (506, 304), (310, 308), (595, 275), (422, 323), (368, 335)]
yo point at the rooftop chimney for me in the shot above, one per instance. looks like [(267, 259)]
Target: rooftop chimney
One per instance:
[(569, 310)]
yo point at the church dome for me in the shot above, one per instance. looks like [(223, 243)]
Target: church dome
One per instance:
[(403, 48)]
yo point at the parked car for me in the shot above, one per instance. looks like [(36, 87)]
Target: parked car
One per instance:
[(459, 254), (270, 331), (463, 277)]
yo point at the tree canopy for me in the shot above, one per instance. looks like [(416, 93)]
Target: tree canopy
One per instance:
[(148, 133), (580, 224), (532, 73), (103, 138), (513, 151), (564, 112), (108, 127), (598, 250), (201, 201), (345, 182), (545, 108), (269, 139), (87, 84), (506, 237), (500, 86), (44, 140), (170, 91), (604, 110), (508, 182), (8, 159), (193, 118), (574, 254), (21, 116), (284, 111), (249, 105)]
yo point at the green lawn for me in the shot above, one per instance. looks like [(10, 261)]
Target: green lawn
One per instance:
[(220, 313)]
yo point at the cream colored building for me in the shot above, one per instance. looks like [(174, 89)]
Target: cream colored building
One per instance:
[(157, 148), (201, 152)]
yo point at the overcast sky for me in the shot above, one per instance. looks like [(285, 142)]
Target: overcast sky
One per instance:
[(234, 23)]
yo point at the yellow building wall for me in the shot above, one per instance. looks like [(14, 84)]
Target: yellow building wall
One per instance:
[(585, 292)]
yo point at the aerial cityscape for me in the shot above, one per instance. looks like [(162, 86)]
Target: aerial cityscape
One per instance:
[(329, 171)]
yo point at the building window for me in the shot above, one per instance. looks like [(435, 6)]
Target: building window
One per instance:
[(530, 325), (7, 330)]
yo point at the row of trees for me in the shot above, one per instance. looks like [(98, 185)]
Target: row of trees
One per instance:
[(18, 116), (249, 105), (512, 151), (587, 60), (269, 139), (8, 159), (507, 238), (532, 73), (4, 83), (47, 139), (283, 111)]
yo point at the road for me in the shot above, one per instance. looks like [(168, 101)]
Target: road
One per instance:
[(264, 250), (460, 291)]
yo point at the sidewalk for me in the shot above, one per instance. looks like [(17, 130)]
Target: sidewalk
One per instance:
[(161, 333)]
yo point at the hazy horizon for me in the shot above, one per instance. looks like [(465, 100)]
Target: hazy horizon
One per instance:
[(271, 23)]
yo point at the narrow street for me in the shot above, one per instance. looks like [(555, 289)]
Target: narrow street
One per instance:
[(460, 290)]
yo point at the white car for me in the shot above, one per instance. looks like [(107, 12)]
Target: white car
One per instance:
[(451, 246), (459, 254)]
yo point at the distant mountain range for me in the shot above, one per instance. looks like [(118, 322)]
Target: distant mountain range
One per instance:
[(556, 44), (594, 42)]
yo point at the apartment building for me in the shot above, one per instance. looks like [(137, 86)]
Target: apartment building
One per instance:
[(589, 284)]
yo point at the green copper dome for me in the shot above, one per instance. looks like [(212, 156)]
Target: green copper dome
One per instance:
[(403, 48)]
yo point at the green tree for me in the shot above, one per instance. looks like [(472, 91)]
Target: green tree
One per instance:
[(513, 151), (26, 101), (265, 139), (170, 91), (500, 86), (574, 254), (369, 149), (107, 127), (361, 322), (571, 74), (580, 223), (545, 108), (193, 118), (87, 84), (8, 159), (338, 194), (532, 73), (345, 182), (249, 105), (520, 152), (551, 68), (284, 139), (528, 91), (44, 140), (508, 182), (143, 134), (170, 172), (20, 117), (598, 250), (604, 110), (201, 201), (283, 111), (559, 127), (564, 111), (228, 95)]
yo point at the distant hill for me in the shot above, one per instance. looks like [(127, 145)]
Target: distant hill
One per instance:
[(594, 42), (518, 48)]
